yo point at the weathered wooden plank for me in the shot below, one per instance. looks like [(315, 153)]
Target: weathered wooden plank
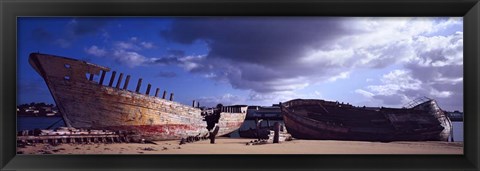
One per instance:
[(119, 80), (139, 84), (91, 77), (125, 86), (102, 77), (112, 78), (87, 105), (148, 89)]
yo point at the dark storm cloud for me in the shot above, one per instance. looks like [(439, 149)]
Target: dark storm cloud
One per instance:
[(286, 54), (257, 53), (41, 35), (79, 27), (167, 61), (272, 41)]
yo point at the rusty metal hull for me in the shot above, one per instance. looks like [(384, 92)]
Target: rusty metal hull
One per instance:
[(324, 120), (85, 103)]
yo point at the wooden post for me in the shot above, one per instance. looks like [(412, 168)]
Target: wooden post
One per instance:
[(257, 127), (102, 77), (276, 130), (213, 133), (125, 86), (91, 77), (112, 78), (156, 92), (139, 84), (164, 94), (171, 96), (119, 80), (148, 89), (451, 134)]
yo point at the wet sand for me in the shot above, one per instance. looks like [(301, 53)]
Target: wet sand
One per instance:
[(238, 146)]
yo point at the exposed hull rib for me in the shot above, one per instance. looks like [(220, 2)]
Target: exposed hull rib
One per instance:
[(319, 119)]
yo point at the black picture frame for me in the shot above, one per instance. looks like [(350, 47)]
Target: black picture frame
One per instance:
[(469, 9)]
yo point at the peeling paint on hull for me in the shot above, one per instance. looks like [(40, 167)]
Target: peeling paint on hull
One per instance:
[(319, 119), (85, 103), (160, 132)]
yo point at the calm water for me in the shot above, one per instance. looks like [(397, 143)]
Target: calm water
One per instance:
[(457, 131), (30, 123)]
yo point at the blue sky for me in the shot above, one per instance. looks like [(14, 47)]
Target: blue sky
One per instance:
[(260, 60)]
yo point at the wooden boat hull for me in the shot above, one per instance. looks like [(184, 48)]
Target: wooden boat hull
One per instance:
[(318, 119), (85, 103)]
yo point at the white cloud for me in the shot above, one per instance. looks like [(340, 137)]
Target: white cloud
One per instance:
[(440, 94), (225, 99), (126, 52), (129, 58), (342, 75), (190, 63), (272, 98), (126, 46), (336, 57), (95, 51), (364, 93), (133, 44), (147, 45), (395, 82)]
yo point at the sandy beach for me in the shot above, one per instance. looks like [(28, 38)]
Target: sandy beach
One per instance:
[(238, 146)]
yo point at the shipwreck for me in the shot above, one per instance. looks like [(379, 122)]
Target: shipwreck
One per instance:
[(328, 120), (85, 103)]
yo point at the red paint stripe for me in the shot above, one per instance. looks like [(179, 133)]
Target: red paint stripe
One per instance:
[(156, 130)]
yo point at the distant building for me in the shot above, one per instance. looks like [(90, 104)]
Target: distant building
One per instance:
[(455, 115), (37, 109), (264, 112)]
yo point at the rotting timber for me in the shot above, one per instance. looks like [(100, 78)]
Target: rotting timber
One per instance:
[(69, 135), (327, 120), (85, 103)]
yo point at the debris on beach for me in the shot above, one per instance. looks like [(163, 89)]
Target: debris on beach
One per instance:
[(277, 135), (149, 149)]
